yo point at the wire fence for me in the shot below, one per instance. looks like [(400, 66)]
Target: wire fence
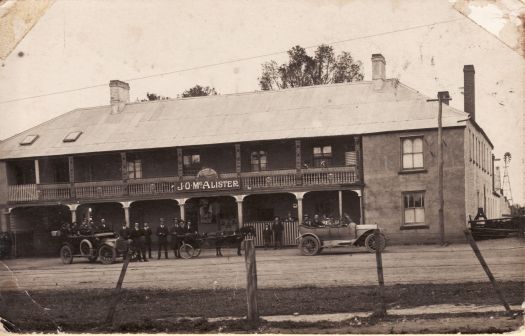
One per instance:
[(277, 269)]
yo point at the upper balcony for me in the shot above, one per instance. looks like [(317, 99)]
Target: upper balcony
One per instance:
[(179, 172)]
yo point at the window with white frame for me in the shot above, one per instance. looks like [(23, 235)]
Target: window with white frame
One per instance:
[(412, 155), (135, 169), (414, 208), (322, 156), (259, 160)]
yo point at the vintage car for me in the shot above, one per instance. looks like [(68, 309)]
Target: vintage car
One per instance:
[(313, 239), (103, 246)]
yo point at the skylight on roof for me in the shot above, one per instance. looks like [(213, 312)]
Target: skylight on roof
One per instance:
[(29, 140), (73, 136)]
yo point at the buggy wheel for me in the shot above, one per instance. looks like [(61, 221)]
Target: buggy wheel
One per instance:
[(197, 252), (186, 251), (66, 254), (371, 243), (107, 254), (309, 246)]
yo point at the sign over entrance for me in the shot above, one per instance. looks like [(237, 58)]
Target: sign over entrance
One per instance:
[(208, 179), (225, 184)]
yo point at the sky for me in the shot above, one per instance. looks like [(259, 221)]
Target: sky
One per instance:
[(85, 44)]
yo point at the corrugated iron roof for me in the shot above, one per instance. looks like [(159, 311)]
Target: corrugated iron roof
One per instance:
[(327, 110)]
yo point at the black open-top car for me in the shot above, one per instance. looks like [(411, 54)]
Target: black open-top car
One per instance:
[(104, 246)]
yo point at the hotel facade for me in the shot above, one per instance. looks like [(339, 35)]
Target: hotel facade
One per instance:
[(366, 149)]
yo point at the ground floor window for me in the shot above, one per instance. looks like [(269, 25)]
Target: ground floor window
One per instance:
[(414, 208)]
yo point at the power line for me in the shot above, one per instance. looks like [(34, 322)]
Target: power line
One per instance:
[(226, 62)]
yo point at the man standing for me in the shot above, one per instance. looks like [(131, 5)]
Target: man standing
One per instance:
[(277, 229), (267, 236), (147, 237), (176, 231), (162, 234), (137, 234), (124, 232)]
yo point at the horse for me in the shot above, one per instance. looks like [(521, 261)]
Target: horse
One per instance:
[(234, 240)]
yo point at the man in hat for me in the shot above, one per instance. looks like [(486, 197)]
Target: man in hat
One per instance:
[(306, 220), (162, 234), (147, 238)]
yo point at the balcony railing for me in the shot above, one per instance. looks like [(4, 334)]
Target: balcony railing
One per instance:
[(263, 180)]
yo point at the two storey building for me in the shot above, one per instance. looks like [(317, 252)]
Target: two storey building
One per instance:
[(366, 149)]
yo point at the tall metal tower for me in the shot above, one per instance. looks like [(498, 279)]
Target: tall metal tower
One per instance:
[(507, 191)]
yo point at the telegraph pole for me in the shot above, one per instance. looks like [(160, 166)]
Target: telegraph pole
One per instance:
[(443, 97)]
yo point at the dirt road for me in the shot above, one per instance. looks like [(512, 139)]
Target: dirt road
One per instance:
[(281, 268)]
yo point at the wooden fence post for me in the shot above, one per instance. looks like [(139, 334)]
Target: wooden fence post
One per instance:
[(116, 292), (251, 282), (381, 308), (486, 268)]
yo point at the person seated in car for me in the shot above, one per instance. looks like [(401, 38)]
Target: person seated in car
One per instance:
[(317, 221), (65, 229), (306, 220), (102, 227), (85, 229)]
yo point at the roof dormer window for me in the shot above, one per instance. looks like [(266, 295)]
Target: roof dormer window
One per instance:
[(29, 140), (72, 137)]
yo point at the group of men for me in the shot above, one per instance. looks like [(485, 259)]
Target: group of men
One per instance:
[(274, 231), (140, 237), (85, 228)]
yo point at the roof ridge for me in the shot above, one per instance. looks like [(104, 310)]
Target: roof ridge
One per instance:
[(254, 92)]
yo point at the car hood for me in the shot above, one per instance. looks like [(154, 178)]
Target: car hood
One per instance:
[(366, 226)]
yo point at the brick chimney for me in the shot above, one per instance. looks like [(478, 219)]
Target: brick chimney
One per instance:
[(119, 95), (469, 91), (378, 67), (378, 71)]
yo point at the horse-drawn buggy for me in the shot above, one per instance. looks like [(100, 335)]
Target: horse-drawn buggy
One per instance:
[(103, 246), (191, 244), (313, 239)]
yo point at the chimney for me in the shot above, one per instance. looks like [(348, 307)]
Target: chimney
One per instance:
[(469, 91), (378, 67), (119, 95)]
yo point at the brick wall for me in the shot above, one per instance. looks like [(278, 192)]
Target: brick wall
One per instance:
[(385, 184), (478, 175)]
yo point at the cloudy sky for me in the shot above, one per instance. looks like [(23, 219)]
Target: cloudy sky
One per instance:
[(165, 46)]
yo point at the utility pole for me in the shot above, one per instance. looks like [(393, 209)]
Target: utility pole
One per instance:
[(443, 97)]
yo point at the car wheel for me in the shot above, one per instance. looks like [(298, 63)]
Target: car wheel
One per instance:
[(186, 251), (107, 254), (309, 246), (371, 243), (66, 254), (86, 248)]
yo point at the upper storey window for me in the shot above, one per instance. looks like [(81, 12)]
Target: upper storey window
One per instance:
[(322, 156), (412, 153), (29, 140), (259, 160)]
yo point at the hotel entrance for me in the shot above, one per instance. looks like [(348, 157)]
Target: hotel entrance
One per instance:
[(212, 214)]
